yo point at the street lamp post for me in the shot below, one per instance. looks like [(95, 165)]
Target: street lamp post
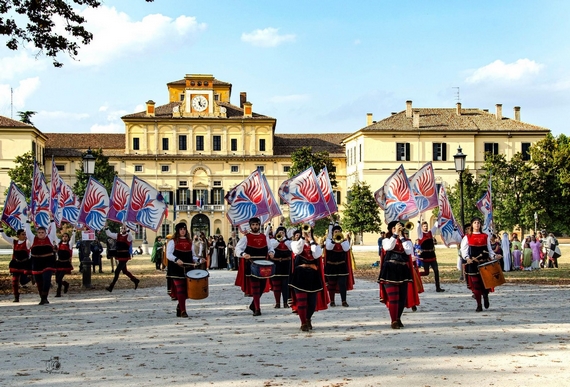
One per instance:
[(535, 222), (459, 159), (88, 169)]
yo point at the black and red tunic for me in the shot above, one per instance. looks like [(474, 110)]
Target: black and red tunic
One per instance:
[(123, 247), (396, 265), (43, 256), (306, 279), (428, 247), (64, 253), (182, 251), (256, 248), (478, 248), (20, 262), (336, 263), (282, 260)]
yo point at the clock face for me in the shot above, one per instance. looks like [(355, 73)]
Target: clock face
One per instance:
[(199, 103)]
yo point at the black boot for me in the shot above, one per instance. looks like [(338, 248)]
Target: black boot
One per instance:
[(136, 281), (58, 291), (110, 287), (16, 298), (65, 286)]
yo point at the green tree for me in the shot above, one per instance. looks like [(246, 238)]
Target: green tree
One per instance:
[(104, 173), (361, 213), (26, 116), (23, 172), (304, 158), (32, 21), (473, 189)]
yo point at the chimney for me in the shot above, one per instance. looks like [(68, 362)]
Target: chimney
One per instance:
[(150, 108), (242, 98), (368, 119), (499, 111), (458, 108), (394, 113), (517, 113), (408, 109), (416, 121), (247, 112)]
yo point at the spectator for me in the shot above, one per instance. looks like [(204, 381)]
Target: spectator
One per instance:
[(97, 254)]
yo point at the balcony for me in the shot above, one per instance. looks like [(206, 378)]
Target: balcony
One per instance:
[(205, 208)]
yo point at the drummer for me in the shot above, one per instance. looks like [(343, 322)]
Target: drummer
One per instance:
[(180, 261), (254, 245), (475, 250)]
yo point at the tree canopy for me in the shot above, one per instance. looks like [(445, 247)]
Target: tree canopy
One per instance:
[(361, 213), (26, 116), (104, 173), (32, 21), (304, 158), (23, 172)]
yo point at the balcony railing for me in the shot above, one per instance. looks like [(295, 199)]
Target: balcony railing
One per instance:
[(204, 208)]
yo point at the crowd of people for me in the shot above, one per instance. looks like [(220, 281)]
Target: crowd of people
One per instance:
[(532, 253)]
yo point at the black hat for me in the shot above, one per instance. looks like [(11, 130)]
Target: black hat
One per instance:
[(336, 227), (254, 220), (281, 229), (392, 224), (180, 226)]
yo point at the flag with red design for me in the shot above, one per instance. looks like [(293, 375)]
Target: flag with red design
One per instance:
[(94, 206), (451, 232), (304, 196), (146, 205), (15, 213), (40, 199), (247, 200), (400, 203), (424, 189)]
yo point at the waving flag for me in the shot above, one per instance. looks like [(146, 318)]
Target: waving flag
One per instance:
[(15, 208), (304, 196), (55, 192), (400, 202), (146, 205), (450, 231), (118, 201), (40, 198), (485, 205), (380, 198), (95, 206), (326, 189), (424, 189), (68, 204), (273, 206), (247, 199)]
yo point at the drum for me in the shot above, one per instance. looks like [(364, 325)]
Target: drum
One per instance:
[(197, 284), (262, 268), (491, 274)]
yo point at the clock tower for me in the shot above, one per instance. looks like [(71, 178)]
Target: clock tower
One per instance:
[(199, 95)]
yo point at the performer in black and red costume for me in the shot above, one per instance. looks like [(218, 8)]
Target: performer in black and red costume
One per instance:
[(475, 250), (427, 254), (338, 265), (43, 258), (307, 279), (63, 263), (180, 261), (123, 255), (282, 261), (396, 272), (20, 264), (254, 245)]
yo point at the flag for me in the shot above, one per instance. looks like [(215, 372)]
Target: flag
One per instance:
[(40, 198), (15, 212), (118, 201), (200, 201), (424, 189), (380, 198), (146, 205), (326, 189), (304, 196), (273, 206), (399, 199), (247, 200), (55, 192), (68, 204), (485, 206), (451, 232), (95, 206)]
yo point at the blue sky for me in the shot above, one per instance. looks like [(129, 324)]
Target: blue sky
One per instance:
[(316, 66)]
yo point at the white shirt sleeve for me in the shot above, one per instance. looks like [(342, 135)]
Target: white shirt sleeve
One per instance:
[(110, 234), (297, 246), (241, 246), (8, 239), (170, 251), (464, 248)]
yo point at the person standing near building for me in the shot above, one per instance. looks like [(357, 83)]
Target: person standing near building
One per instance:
[(20, 264), (124, 240), (43, 258), (157, 250), (63, 263), (282, 260), (253, 246), (338, 268), (96, 254), (395, 272), (476, 249), (427, 255)]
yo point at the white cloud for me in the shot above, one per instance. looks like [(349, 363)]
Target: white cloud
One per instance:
[(112, 127), (289, 98), (22, 61), (499, 70), (116, 35), (268, 37), (21, 93), (104, 108), (139, 108)]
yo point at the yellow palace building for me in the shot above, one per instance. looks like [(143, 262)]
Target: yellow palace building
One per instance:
[(199, 145)]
